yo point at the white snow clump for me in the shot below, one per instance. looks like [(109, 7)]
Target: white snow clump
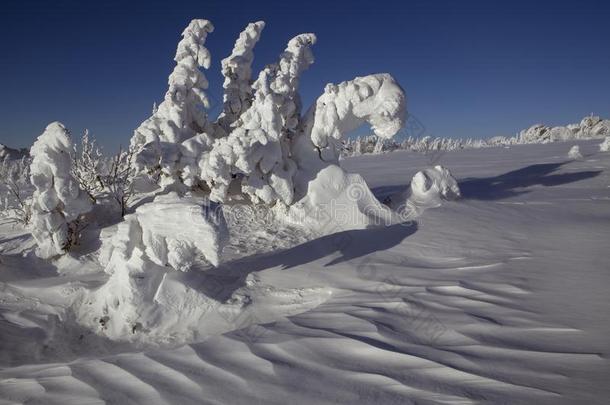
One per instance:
[(433, 185), (574, 152)]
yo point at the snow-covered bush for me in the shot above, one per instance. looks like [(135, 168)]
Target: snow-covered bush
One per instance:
[(120, 178), (58, 201), (12, 154), (537, 133), (594, 127), (15, 189), (88, 166), (605, 145), (574, 152)]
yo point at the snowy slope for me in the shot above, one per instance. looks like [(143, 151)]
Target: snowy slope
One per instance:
[(501, 297)]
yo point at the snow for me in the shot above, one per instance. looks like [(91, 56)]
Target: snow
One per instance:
[(252, 263), (430, 186), (57, 201), (171, 232), (498, 297), (574, 152), (176, 229)]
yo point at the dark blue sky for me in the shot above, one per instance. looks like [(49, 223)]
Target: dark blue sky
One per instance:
[(470, 68)]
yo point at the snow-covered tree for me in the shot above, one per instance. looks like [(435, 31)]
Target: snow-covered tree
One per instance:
[(237, 71), (58, 201), (88, 166), (256, 154), (119, 180), (181, 115), (15, 203)]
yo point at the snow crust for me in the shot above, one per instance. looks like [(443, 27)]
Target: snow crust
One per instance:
[(58, 201)]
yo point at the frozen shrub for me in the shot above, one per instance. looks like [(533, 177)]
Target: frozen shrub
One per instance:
[(58, 201), (15, 189)]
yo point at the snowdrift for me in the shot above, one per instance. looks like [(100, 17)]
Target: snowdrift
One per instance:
[(168, 234)]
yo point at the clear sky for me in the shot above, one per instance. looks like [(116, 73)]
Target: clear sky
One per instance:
[(469, 68)]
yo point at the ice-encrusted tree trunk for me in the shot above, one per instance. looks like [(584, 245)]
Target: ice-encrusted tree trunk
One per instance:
[(58, 201), (181, 115)]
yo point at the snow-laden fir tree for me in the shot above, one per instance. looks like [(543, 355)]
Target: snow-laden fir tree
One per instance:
[(58, 201), (181, 115), (237, 72), (256, 154)]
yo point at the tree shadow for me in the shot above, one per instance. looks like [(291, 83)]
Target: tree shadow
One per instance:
[(513, 183), (220, 283)]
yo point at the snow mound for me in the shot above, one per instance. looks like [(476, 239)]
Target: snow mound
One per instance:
[(58, 200), (169, 233), (337, 201), (176, 230), (605, 145), (433, 185), (574, 152)]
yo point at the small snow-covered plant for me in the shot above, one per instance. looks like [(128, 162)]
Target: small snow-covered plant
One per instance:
[(605, 145), (15, 180), (120, 178), (88, 166), (58, 202)]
